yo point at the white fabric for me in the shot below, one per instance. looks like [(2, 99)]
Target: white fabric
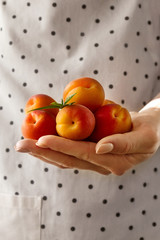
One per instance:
[(20, 217), (43, 46)]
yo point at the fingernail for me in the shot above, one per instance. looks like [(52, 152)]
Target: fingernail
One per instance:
[(19, 148), (40, 143), (104, 148)]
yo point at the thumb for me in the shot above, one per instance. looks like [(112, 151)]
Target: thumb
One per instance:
[(120, 144)]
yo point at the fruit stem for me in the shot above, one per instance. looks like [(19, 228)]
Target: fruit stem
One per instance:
[(56, 105)]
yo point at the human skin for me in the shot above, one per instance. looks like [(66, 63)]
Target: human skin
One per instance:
[(113, 154)]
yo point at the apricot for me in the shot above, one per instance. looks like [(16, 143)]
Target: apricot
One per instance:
[(38, 101), (111, 119), (88, 92), (107, 101), (75, 122), (37, 124)]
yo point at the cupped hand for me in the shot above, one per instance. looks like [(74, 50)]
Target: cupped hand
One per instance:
[(113, 154)]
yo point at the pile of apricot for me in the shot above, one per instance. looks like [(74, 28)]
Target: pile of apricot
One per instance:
[(83, 114)]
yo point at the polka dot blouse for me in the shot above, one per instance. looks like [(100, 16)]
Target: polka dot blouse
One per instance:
[(43, 46)]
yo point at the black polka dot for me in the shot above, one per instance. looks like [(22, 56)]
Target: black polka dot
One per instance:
[(110, 86), (68, 19), (43, 226), (111, 31), (88, 215), (118, 214), (58, 213), (52, 60), (36, 71), (144, 184), (102, 229), (68, 47), (84, 6), (74, 200), (111, 58), (130, 227), (133, 171), (72, 228), (45, 198), (60, 185), (7, 150), (95, 72), (24, 84), (132, 199), (90, 186), (143, 212), (65, 71), (120, 187), (97, 20), (81, 59), (46, 169), (134, 89), (112, 7), (53, 33), (155, 197), (39, 45), (126, 45), (76, 171), (155, 169), (154, 224), (104, 201), (54, 4), (96, 44)]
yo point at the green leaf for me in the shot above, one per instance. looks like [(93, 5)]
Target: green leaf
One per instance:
[(69, 98), (56, 105)]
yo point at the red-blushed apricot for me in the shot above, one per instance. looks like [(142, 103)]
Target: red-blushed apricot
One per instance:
[(37, 124), (89, 92), (38, 101), (110, 119), (107, 101), (75, 122)]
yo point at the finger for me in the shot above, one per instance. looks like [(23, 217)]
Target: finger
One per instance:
[(47, 161), (79, 149), (126, 143), (27, 146), (85, 151), (55, 157), (116, 164)]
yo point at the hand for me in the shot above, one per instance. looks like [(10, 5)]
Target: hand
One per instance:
[(113, 154)]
